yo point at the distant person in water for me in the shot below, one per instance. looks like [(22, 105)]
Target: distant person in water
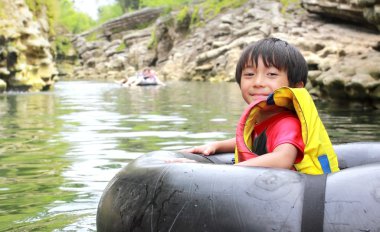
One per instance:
[(147, 77)]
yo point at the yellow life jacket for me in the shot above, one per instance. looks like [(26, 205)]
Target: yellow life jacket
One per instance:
[(319, 156)]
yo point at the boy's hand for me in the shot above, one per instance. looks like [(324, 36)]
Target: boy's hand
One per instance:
[(207, 149)]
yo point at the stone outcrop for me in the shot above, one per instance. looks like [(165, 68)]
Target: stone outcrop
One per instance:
[(26, 57), (358, 11), (106, 57), (130, 21), (343, 58)]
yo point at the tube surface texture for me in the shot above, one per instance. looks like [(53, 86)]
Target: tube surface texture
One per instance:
[(152, 195)]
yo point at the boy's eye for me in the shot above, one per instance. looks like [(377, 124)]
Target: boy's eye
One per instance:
[(272, 74), (249, 74)]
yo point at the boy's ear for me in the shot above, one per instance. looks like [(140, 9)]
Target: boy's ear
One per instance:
[(299, 85)]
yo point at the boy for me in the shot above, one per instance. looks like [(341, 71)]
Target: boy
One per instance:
[(270, 133)]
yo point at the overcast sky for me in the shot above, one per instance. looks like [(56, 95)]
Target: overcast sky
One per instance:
[(91, 6)]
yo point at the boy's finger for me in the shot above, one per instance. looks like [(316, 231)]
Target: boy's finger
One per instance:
[(207, 151)]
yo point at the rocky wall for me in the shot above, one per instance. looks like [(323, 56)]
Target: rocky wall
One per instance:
[(26, 57), (343, 58), (357, 11), (111, 29)]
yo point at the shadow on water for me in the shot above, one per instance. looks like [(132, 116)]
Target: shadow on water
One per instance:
[(58, 150)]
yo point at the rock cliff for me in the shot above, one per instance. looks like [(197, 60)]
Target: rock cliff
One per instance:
[(365, 12), (343, 57), (26, 57)]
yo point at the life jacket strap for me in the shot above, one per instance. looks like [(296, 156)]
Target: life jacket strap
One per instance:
[(313, 211)]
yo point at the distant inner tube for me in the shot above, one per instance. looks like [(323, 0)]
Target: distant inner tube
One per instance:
[(146, 84)]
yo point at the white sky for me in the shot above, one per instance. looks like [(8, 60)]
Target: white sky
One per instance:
[(90, 6)]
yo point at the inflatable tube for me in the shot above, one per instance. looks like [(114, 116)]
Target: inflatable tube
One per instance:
[(146, 84), (151, 195)]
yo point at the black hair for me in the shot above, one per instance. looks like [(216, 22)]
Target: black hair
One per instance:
[(277, 53)]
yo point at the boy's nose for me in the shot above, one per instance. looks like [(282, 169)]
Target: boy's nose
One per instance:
[(258, 80)]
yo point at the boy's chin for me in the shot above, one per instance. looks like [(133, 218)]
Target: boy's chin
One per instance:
[(255, 98), (259, 98)]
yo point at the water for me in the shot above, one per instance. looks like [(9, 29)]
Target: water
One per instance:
[(59, 149)]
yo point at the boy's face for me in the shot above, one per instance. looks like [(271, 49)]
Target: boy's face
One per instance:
[(258, 82)]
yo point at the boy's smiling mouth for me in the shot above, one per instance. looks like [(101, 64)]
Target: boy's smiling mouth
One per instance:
[(259, 96)]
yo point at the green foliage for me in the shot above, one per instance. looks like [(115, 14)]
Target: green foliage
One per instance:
[(109, 12), (167, 10), (62, 13), (91, 37), (153, 40), (121, 47), (52, 13), (163, 3), (210, 7), (181, 16), (2, 13), (142, 25), (52, 10), (195, 16), (62, 44), (129, 4), (214, 7), (286, 3), (183, 19), (72, 20)]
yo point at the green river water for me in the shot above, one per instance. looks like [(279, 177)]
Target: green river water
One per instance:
[(59, 149)]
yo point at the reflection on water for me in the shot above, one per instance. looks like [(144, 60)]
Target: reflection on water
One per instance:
[(31, 158), (350, 122), (58, 150)]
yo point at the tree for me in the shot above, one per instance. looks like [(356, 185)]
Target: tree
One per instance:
[(129, 4), (109, 11), (72, 20)]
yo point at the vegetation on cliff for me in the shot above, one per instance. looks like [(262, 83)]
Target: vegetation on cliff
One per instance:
[(108, 12), (64, 19), (61, 13), (48, 7)]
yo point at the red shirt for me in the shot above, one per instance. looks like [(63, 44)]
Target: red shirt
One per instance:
[(281, 128)]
